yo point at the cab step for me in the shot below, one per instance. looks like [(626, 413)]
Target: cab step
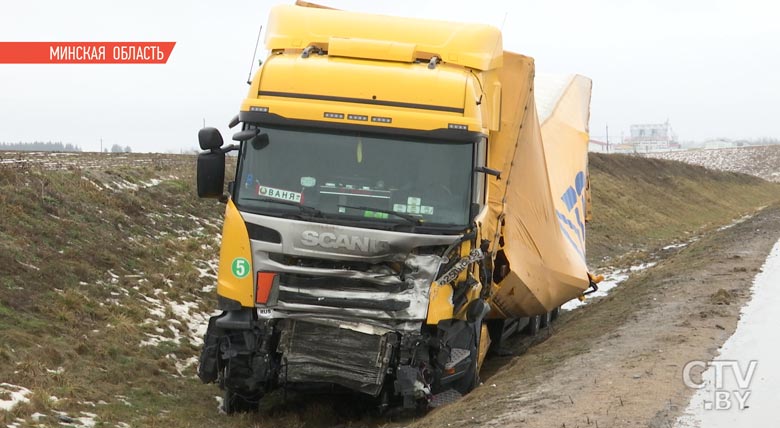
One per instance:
[(446, 397), (456, 356)]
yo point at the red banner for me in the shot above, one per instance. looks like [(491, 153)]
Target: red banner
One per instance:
[(85, 52)]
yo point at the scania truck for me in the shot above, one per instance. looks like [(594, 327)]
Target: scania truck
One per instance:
[(400, 200)]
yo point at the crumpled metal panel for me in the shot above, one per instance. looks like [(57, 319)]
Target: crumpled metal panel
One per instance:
[(396, 247), (356, 358)]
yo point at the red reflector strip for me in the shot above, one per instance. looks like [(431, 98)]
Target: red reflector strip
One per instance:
[(265, 282)]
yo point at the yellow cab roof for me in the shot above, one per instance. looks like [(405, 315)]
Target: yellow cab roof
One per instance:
[(476, 46)]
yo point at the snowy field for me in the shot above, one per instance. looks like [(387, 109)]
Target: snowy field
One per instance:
[(760, 161)]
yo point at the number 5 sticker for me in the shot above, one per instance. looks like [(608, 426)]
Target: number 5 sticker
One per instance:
[(240, 267)]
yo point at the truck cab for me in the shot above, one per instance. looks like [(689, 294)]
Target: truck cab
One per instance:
[(360, 246)]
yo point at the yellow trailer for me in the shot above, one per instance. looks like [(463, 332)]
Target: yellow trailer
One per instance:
[(403, 193)]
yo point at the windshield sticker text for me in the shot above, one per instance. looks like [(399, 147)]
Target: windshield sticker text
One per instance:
[(285, 195), (308, 181)]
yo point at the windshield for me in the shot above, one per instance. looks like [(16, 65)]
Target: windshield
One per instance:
[(356, 176)]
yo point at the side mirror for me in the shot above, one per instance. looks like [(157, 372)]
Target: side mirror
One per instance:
[(211, 174), (209, 138), (233, 122), (246, 134)]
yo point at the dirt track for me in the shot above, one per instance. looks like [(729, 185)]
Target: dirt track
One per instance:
[(618, 362)]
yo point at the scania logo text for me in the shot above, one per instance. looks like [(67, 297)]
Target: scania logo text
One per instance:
[(330, 240)]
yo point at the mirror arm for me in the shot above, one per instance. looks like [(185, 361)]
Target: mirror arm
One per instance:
[(490, 171), (228, 149)]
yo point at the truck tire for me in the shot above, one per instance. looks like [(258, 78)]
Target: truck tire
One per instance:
[(545, 320), (555, 313), (236, 402), (534, 323)]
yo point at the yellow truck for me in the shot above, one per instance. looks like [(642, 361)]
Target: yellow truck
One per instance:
[(403, 196)]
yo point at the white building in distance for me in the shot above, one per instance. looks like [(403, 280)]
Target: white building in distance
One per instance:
[(652, 137)]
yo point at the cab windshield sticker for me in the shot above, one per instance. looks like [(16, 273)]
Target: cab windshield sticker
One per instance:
[(399, 208), (427, 210), (308, 181), (373, 214), (285, 195)]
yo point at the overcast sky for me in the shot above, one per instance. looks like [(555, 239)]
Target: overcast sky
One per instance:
[(709, 66)]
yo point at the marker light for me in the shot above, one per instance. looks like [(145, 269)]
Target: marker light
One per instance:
[(381, 119), (330, 115), (260, 109), (265, 282)]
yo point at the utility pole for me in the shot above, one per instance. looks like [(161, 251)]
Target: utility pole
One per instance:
[(607, 138), (101, 144)]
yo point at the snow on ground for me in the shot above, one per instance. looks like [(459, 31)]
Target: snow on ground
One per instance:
[(675, 246), (754, 340), (15, 423), (12, 395), (186, 313), (196, 321), (84, 161), (642, 266), (220, 408), (86, 420), (181, 365), (760, 161), (92, 166), (735, 222), (616, 277), (611, 280)]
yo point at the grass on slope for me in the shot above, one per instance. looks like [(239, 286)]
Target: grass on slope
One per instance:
[(106, 276), (641, 203)]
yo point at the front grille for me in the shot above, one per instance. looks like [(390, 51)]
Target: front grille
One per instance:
[(338, 283), (310, 262), (342, 302)]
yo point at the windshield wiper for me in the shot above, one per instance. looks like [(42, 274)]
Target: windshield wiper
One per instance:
[(411, 219), (303, 209)]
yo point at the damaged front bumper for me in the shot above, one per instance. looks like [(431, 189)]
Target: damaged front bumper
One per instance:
[(250, 355)]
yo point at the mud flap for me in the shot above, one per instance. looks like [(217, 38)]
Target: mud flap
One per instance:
[(208, 367)]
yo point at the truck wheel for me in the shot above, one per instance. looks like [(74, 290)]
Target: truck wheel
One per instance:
[(555, 313), (239, 402), (534, 323), (545, 320)]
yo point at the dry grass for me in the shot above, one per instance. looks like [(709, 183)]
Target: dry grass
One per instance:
[(641, 203), (78, 262)]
